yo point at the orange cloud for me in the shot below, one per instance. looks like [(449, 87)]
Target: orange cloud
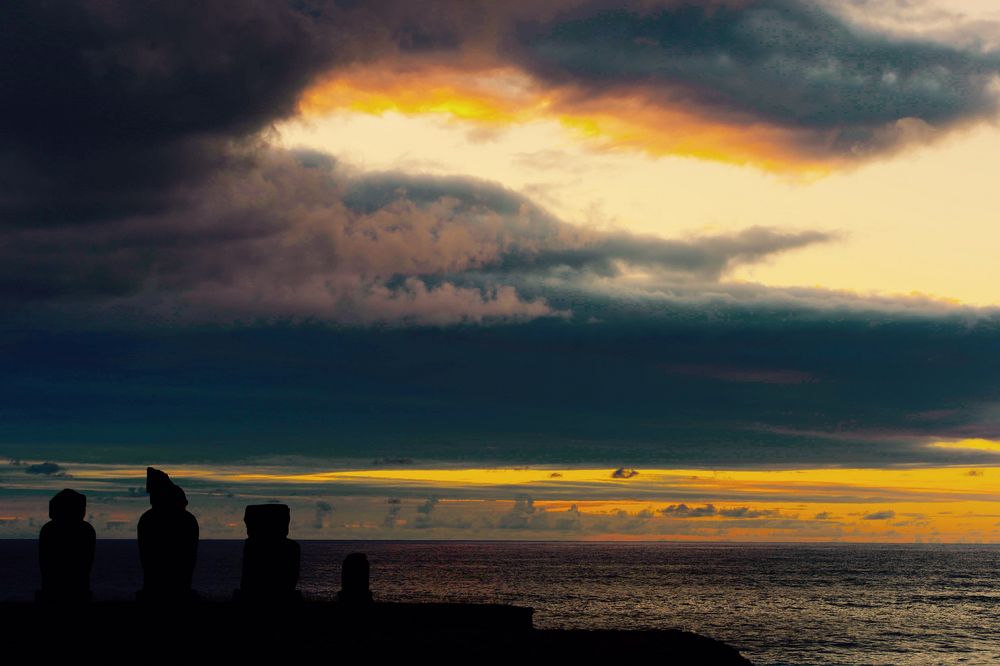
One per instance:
[(495, 97)]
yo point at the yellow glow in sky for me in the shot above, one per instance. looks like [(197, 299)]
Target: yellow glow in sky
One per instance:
[(947, 504), (970, 444)]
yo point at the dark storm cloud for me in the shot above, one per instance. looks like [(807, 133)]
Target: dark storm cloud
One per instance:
[(525, 515), (322, 510), (296, 236), (378, 190), (393, 462), (137, 189), (762, 376), (275, 238), (783, 62), (709, 510), (391, 519), (428, 507), (624, 473), (46, 468), (685, 511), (880, 515), (707, 257), (544, 243), (673, 374), (551, 391), (107, 105), (425, 511), (746, 512), (839, 89), (116, 108), (148, 126)]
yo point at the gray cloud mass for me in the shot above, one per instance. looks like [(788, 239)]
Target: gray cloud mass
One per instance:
[(172, 283), (287, 236), (786, 62)]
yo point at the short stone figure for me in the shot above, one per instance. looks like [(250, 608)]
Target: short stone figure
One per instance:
[(168, 542), (270, 558), (354, 577), (66, 550)]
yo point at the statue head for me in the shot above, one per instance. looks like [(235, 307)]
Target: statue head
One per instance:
[(164, 493), (267, 521), (68, 505)]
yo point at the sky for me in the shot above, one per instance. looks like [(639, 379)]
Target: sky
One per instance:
[(575, 269)]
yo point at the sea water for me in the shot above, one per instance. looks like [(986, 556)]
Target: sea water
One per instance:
[(777, 604)]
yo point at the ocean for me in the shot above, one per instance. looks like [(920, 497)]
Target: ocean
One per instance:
[(778, 604)]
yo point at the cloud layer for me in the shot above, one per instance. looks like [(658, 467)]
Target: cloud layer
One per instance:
[(783, 84), (138, 181), (796, 505), (295, 236), (779, 62), (172, 282)]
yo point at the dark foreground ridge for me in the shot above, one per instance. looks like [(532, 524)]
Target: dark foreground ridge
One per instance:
[(267, 617), (323, 632)]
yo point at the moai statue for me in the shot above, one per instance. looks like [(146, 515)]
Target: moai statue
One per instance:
[(168, 542), (354, 577), (270, 558), (66, 550)]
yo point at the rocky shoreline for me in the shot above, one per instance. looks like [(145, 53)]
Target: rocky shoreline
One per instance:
[(295, 631)]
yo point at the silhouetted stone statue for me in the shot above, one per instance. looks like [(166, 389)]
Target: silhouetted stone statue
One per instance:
[(354, 580), (270, 558), (66, 550), (168, 542)]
